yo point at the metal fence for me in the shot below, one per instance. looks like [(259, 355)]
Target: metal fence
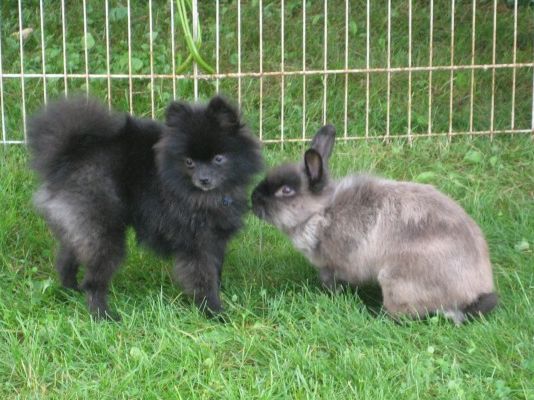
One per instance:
[(378, 69)]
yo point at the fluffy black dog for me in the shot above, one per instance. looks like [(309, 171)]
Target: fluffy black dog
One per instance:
[(181, 186)]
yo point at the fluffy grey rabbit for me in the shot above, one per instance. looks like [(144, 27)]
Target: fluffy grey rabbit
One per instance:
[(425, 252)]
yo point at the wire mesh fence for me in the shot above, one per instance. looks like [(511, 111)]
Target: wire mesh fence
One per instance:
[(380, 69)]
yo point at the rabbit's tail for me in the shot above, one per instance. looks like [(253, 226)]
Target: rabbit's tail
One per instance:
[(482, 305)]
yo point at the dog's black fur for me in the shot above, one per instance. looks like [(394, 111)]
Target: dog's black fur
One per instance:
[(181, 185)]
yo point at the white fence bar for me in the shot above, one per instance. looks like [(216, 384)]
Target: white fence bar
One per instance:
[(108, 68), (43, 58), (64, 39), (325, 58), (473, 46), (217, 33), (304, 69), (2, 113), (367, 65), (130, 77), (430, 62), (410, 72), (493, 59), (22, 75), (388, 104), (451, 79), (282, 68), (261, 66), (514, 60), (345, 103), (173, 50), (414, 135), (239, 51), (85, 50), (151, 50), (309, 72), (194, 11)]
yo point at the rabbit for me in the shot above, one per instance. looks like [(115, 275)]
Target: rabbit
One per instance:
[(426, 254)]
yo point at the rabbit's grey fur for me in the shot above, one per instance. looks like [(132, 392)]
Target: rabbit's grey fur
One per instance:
[(426, 253)]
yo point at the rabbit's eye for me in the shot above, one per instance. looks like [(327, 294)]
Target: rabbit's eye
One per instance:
[(285, 191), (189, 163)]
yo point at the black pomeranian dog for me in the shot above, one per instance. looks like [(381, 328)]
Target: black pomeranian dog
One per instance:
[(181, 185)]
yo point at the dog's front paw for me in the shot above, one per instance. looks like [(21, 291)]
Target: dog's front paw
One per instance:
[(210, 305)]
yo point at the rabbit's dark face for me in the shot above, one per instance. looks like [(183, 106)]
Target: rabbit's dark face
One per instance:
[(292, 193), (284, 198)]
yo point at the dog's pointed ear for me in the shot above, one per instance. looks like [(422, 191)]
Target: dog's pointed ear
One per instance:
[(313, 162), (176, 111), (226, 115), (323, 141)]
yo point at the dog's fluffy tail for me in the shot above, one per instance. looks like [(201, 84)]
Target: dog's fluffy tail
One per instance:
[(482, 305), (69, 124)]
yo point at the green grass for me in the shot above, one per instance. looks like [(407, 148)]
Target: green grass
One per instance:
[(284, 338)]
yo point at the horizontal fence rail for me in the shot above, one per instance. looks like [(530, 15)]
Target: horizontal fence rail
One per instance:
[(377, 70)]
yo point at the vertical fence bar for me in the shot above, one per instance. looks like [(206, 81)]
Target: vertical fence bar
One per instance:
[(473, 46), (151, 51), (261, 67), (2, 113), (21, 56), (430, 61), (514, 60), (194, 11), (239, 52), (532, 113), (493, 58), (346, 68), (130, 86), (64, 37), (303, 69), (389, 71), (410, 71), (217, 33), (43, 46), (282, 68), (173, 50), (85, 51), (108, 68), (325, 58), (451, 80), (367, 66)]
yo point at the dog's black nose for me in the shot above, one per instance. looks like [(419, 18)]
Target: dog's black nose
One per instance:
[(205, 181)]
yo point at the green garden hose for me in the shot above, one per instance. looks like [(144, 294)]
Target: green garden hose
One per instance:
[(193, 46)]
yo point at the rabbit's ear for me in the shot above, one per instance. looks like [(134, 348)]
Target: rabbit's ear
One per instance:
[(323, 141), (314, 169)]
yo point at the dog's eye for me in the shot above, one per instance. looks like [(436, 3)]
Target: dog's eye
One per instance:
[(189, 163), (219, 159), (285, 191)]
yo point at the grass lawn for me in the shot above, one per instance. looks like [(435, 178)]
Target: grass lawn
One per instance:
[(284, 336)]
